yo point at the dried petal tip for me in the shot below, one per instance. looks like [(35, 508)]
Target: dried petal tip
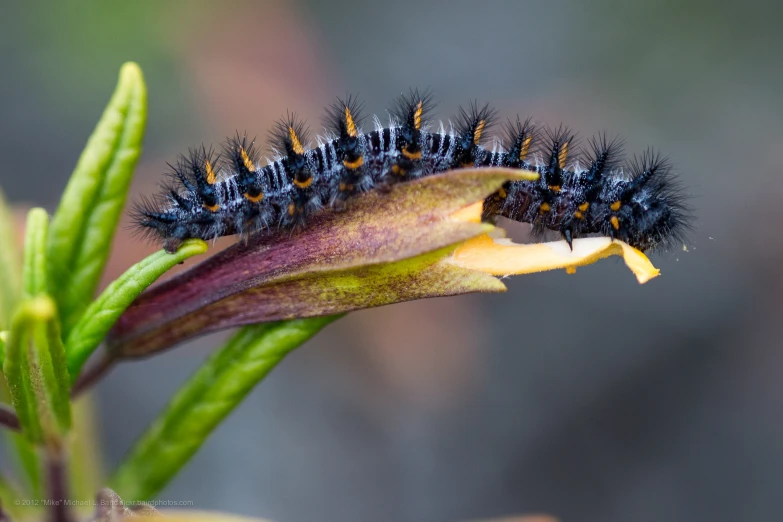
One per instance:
[(502, 257)]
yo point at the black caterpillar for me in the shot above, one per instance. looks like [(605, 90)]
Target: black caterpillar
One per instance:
[(213, 197)]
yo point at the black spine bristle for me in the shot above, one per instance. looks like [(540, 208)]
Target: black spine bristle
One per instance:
[(604, 156), (336, 120), (475, 119), (472, 127), (556, 147), (411, 112), (290, 135), (520, 140), (201, 166), (243, 158)]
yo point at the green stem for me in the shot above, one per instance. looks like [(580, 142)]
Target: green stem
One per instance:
[(205, 400)]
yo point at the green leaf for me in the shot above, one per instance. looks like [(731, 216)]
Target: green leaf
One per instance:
[(102, 313), (36, 373), (34, 281), (84, 223), (34, 265), (29, 460), (10, 292), (9, 495), (23, 453), (10, 268), (205, 400), (84, 453)]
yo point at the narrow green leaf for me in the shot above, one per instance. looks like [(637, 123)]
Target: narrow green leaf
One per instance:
[(10, 268), (18, 446), (23, 454), (205, 400), (16, 366), (34, 281), (84, 453), (36, 373), (84, 223), (29, 460), (102, 313), (9, 497), (51, 360), (34, 266)]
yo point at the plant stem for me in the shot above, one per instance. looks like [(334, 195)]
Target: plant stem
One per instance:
[(8, 418), (92, 375), (57, 478)]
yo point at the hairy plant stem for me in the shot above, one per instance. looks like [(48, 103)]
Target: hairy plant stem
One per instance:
[(8, 418), (92, 374), (57, 478)]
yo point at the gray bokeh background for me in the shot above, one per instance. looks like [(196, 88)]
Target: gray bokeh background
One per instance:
[(588, 397)]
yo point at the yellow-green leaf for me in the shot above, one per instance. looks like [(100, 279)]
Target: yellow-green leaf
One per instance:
[(10, 268), (36, 373), (85, 467), (102, 313), (206, 399), (84, 223), (9, 497), (34, 267)]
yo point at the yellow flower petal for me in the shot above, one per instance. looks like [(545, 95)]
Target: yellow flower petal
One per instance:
[(469, 214), (502, 257)]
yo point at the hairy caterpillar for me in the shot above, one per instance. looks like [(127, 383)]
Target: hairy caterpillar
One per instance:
[(577, 194)]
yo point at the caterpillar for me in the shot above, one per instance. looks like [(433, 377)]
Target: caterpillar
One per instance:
[(580, 191)]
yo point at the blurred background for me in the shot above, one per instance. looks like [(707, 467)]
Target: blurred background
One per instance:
[(588, 397)]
